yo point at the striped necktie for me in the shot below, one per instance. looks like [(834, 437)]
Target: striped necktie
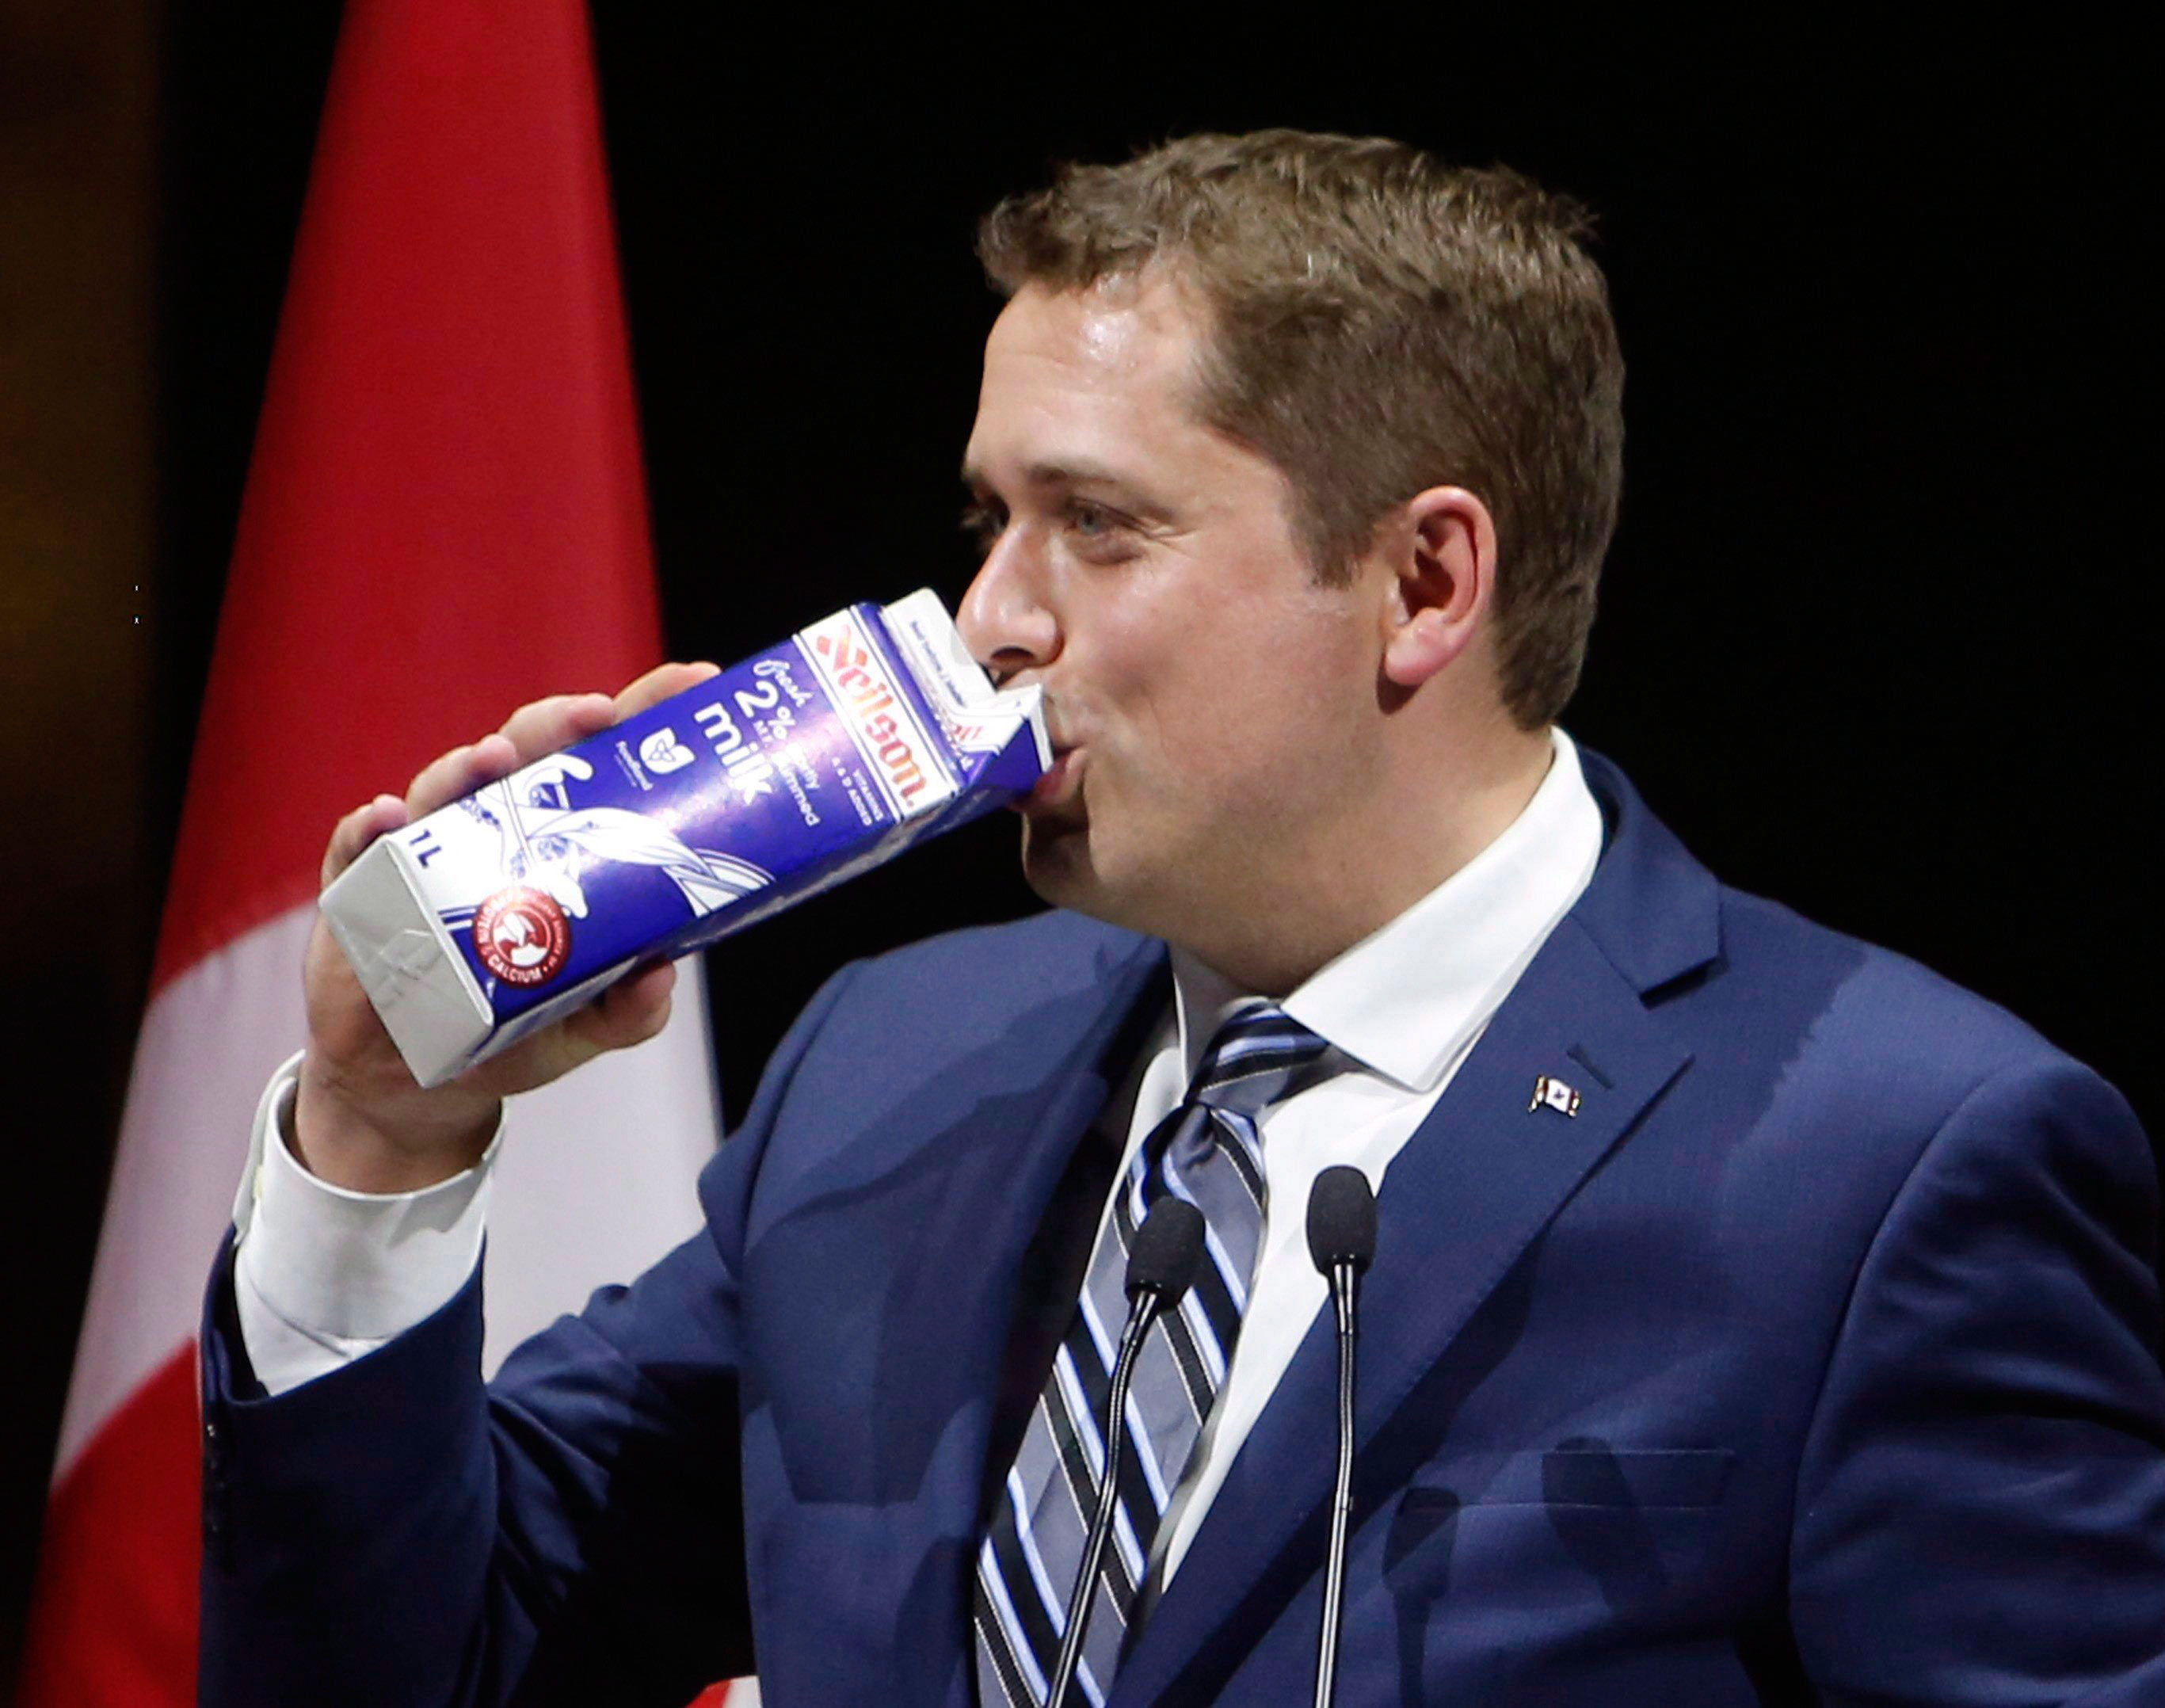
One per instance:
[(1208, 1152)]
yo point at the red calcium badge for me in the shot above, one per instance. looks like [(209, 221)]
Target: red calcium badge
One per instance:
[(522, 936)]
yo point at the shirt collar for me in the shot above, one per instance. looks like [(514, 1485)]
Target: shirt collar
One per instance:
[(1406, 1000)]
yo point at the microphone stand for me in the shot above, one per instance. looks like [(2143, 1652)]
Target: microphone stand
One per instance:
[(1140, 1319), (1162, 1264), (1345, 1278), (1341, 1241)]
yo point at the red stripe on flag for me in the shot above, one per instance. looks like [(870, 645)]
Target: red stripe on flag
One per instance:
[(448, 440), (444, 516), (113, 1622)]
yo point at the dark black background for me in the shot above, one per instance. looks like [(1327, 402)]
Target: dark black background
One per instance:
[(1875, 636)]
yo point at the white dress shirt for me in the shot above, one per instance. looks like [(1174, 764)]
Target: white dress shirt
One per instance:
[(323, 1275)]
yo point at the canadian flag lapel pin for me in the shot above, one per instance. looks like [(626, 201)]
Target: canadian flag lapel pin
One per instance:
[(1553, 1093)]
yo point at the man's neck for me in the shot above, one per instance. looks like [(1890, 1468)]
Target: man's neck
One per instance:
[(1372, 871)]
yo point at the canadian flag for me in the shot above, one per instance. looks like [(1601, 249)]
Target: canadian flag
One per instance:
[(445, 518)]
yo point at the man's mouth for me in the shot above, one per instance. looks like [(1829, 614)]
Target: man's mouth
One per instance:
[(1059, 782)]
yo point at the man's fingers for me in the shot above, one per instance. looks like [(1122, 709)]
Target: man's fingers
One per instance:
[(546, 725), (556, 722), (543, 727), (626, 1014), (358, 828), (659, 683), (460, 772), (632, 1010)]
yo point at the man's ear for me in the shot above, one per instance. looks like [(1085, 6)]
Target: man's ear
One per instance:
[(1443, 551)]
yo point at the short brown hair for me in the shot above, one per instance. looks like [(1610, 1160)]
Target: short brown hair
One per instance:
[(1379, 323)]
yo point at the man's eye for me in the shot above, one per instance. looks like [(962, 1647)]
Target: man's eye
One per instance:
[(983, 523), (1092, 521)]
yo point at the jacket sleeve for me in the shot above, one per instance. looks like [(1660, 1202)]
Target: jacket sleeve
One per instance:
[(397, 1532), (1981, 1503)]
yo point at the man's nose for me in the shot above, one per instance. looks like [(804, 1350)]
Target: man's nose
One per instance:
[(1004, 619)]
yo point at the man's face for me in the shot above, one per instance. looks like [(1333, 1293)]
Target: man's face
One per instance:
[(1207, 699)]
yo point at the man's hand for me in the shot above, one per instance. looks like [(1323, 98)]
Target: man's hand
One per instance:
[(359, 1122)]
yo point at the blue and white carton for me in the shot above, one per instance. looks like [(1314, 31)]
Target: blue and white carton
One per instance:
[(786, 774)]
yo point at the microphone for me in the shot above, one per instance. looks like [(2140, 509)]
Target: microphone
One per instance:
[(1162, 1264), (1167, 1251), (1341, 1240)]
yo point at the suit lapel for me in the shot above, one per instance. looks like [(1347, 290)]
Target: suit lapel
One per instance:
[(1077, 1053), (1084, 1049), (1482, 1178)]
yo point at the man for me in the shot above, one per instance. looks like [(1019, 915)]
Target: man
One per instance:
[(1754, 1315)]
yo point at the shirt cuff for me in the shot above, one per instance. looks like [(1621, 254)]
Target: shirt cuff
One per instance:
[(323, 1275)]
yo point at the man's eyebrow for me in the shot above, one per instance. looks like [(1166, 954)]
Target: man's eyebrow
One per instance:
[(1078, 471)]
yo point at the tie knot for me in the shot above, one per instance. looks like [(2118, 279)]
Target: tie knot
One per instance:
[(1253, 1060)]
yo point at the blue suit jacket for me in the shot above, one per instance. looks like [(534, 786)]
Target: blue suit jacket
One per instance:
[(1820, 1344)]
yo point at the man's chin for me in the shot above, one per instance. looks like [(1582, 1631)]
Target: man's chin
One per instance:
[(1056, 863)]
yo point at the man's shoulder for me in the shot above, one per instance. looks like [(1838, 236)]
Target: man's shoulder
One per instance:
[(1819, 1061), (1756, 978), (1023, 983), (926, 1040), (1867, 1024), (1022, 958), (1758, 929)]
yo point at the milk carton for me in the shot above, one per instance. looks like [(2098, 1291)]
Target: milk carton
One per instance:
[(794, 770)]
